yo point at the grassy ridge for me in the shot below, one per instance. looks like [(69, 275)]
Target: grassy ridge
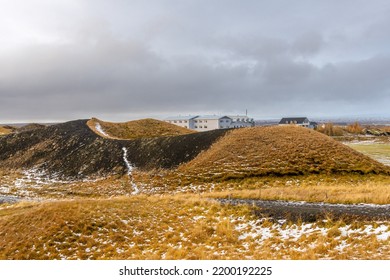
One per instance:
[(144, 128), (278, 151)]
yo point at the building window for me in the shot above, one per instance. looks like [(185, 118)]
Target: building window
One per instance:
[(175, 121), (205, 126), (200, 121), (205, 121), (185, 121), (196, 126), (196, 121), (200, 127), (180, 121)]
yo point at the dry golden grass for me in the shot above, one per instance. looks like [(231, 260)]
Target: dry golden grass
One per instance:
[(176, 227), (354, 128), (279, 150), (331, 130), (338, 189), (144, 128), (350, 188), (5, 130)]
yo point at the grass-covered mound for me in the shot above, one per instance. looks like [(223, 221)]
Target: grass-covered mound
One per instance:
[(144, 128), (278, 151)]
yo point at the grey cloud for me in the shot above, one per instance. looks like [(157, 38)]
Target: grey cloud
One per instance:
[(198, 58), (308, 43)]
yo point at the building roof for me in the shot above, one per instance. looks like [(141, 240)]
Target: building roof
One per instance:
[(210, 117), (178, 118), (293, 120), (240, 117)]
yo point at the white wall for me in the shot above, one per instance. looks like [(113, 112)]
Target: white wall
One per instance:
[(183, 123), (206, 124)]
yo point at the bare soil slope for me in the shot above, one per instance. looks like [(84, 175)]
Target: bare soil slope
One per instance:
[(278, 151), (144, 128)]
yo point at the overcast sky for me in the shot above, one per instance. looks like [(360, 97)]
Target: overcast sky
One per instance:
[(126, 59)]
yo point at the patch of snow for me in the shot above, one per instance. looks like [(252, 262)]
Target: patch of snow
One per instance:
[(382, 232), (383, 236), (342, 246), (130, 171), (99, 129)]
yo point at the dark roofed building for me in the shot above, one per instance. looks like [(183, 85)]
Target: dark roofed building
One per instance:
[(301, 121), (313, 125)]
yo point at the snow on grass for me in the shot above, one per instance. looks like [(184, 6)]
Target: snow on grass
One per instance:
[(99, 129), (35, 182), (381, 232), (38, 177), (259, 230), (130, 171), (262, 230)]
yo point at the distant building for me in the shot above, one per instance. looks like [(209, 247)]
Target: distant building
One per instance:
[(313, 125), (211, 122), (302, 121), (183, 121), (241, 121)]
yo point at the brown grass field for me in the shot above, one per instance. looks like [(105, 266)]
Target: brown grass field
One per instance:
[(177, 227)]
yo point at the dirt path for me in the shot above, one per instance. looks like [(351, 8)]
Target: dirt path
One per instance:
[(312, 211)]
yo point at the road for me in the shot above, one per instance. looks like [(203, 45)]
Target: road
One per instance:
[(312, 211)]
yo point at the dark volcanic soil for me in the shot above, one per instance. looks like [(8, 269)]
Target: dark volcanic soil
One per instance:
[(71, 149), (310, 212)]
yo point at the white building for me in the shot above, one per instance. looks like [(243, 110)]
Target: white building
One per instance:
[(241, 121), (183, 121), (211, 122)]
